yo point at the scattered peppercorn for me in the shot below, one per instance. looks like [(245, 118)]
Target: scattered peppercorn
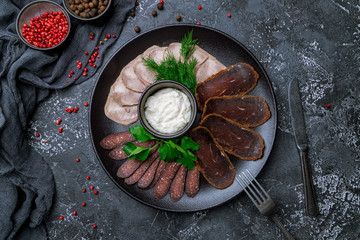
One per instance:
[(44, 141), (92, 34), (86, 104), (96, 48), (132, 13), (91, 37), (229, 15), (84, 74), (78, 160), (88, 178), (178, 17), (91, 187), (198, 23), (37, 134), (71, 72), (101, 42), (328, 105), (162, 1), (74, 213), (113, 36), (69, 76), (84, 190), (160, 6), (154, 13), (96, 192), (75, 78), (94, 226), (58, 121), (83, 204), (137, 3), (61, 218), (199, 7), (137, 29), (60, 130)]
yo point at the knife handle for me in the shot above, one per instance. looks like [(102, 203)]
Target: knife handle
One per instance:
[(310, 196)]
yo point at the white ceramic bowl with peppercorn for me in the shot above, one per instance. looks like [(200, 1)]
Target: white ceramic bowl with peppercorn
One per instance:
[(43, 25), (87, 10)]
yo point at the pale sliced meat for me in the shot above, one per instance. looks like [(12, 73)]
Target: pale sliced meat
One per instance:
[(122, 95), (201, 55), (130, 79), (158, 54), (174, 49), (123, 115), (145, 75), (208, 68)]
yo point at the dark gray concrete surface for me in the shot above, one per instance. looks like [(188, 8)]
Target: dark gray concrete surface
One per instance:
[(314, 41)]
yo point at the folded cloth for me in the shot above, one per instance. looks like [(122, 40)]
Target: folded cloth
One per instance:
[(26, 77)]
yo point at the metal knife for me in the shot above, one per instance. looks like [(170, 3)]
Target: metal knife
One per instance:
[(298, 124)]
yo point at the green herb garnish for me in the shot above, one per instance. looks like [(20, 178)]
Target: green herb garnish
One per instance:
[(177, 70), (177, 149)]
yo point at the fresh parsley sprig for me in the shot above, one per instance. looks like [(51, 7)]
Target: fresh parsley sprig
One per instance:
[(177, 149), (177, 70)]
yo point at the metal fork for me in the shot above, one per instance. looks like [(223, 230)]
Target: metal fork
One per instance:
[(261, 199)]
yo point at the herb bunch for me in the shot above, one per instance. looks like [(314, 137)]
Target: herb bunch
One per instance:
[(177, 149), (177, 70)]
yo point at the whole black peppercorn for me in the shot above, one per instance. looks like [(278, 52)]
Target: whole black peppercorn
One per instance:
[(178, 17), (101, 42), (160, 6), (154, 13), (105, 39), (132, 13), (137, 29), (92, 34)]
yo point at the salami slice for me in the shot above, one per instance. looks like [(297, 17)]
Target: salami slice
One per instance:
[(177, 185), (166, 178), (192, 184)]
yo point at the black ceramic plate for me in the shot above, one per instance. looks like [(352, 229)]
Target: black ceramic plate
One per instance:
[(228, 51)]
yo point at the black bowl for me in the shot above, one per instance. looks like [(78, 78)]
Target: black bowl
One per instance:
[(96, 18), (34, 9), (156, 87)]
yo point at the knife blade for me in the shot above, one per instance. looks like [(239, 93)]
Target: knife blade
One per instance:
[(298, 124)]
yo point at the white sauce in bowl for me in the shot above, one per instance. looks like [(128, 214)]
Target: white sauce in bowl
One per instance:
[(168, 110)]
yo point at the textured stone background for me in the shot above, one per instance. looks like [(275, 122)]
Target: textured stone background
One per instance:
[(314, 41)]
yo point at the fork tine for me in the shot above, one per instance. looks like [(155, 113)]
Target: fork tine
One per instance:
[(264, 193), (243, 185), (251, 186)]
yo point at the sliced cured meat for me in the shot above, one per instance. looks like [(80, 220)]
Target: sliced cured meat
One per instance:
[(124, 115), (208, 68), (192, 184), (119, 154), (122, 95), (212, 161), (237, 140), (130, 79), (159, 171), (177, 186), (158, 54), (145, 75), (238, 79), (250, 111), (165, 180), (145, 181), (201, 55), (174, 49), (134, 178), (116, 139), (128, 167)]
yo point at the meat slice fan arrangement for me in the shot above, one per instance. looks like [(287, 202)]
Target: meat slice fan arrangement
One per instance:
[(228, 115)]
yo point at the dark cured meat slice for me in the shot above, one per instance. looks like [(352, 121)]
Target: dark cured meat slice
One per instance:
[(238, 79), (250, 111), (237, 140), (116, 139), (166, 178), (192, 184), (212, 161), (128, 167), (177, 185), (159, 171), (149, 175), (134, 178), (118, 153)]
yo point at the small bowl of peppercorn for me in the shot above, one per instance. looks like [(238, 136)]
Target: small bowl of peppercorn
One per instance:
[(43, 25), (87, 10)]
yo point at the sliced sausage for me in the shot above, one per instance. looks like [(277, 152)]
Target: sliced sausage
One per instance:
[(128, 167), (166, 178), (192, 184), (177, 185), (158, 173), (116, 139), (149, 175), (134, 178)]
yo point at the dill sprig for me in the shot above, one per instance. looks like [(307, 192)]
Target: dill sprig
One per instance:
[(177, 70)]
